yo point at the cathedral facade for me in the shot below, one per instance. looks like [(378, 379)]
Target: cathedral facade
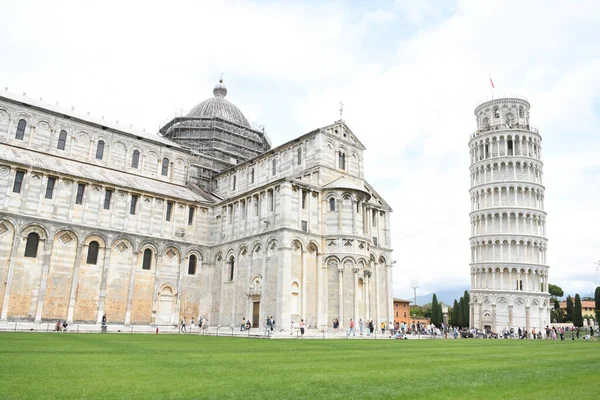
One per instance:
[(204, 219)]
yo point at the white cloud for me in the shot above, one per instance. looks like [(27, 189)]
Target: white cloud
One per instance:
[(412, 105)]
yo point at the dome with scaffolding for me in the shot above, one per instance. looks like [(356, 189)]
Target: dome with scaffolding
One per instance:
[(219, 107)]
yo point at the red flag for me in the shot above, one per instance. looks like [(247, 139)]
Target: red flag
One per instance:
[(492, 82)]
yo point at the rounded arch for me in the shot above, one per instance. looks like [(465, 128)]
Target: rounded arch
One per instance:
[(382, 259), (197, 252), (230, 253), (10, 225), (35, 228), (332, 261), (100, 238), (146, 244), (219, 256)]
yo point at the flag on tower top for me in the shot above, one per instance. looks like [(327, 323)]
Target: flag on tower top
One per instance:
[(492, 83)]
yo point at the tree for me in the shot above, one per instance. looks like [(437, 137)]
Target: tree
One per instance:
[(577, 317), (597, 297), (440, 314), (434, 311), (465, 310), (455, 313), (557, 313), (461, 314), (569, 316), (555, 291)]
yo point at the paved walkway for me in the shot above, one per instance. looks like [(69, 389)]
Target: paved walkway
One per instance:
[(25, 326)]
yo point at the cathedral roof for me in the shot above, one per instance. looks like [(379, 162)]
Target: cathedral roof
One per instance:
[(86, 118), (220, 107), (346, 184), (96, 173)]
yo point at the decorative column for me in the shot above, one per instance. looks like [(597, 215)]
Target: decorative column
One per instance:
[(494, 328), (44, 281), (341, 294), (180, 275), (74, 281), (10, 274), (528, 320), (355, 308), (157, 269), (510, 316), (367, 295), (103, 284), (131, 286)]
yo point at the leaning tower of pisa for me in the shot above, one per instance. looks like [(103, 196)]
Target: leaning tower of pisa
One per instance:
[(509, 274)]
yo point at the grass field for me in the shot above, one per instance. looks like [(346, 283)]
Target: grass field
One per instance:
[(92, 366)]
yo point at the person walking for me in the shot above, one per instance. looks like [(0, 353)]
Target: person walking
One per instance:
[(302, 326), (592, 333), (191, 324), (243, 324), (361, 326), (351, 328), (371, 328), (382, 326), (292, 328), (182, 327)]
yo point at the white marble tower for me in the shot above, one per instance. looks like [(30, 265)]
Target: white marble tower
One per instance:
[(509, 274)]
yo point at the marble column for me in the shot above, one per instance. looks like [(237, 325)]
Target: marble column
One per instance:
[(10, 274), (341, 294), (103, 283), (44, 281), (74, 282)]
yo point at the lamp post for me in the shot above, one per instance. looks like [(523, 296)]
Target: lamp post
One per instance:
[(414, 284)]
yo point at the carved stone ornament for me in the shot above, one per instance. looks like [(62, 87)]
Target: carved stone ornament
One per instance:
[(122, 195), (4, 171), (332, 263)]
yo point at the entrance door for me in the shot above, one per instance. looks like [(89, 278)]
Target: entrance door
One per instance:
[(255, 314), (165, 307)]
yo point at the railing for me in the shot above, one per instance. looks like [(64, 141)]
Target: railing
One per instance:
[(501, 127), (502, 96)]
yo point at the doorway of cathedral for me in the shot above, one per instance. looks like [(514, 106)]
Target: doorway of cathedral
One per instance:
[(165, 307), (256, 314)]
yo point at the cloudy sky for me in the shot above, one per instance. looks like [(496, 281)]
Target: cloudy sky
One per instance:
[(408, 72)]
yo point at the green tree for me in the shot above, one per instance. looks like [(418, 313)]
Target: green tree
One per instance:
[(465, 310), (557, 313), (577, 317), (597, 298), (461, 314), (440, 314), (455, 313), (569, 315), (434, 311), (555, 291)]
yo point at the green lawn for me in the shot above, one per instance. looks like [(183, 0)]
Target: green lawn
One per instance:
[(113, 366)]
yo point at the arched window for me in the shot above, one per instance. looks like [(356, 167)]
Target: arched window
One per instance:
[(62, 140), (165, 167), (332, 204), (342, 160), (21, 129), (31, 247), (92, 257), (192, 265), (231, 267), (299, 155), (496, 112), (100, 150), (147, 263), (135, 159)]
